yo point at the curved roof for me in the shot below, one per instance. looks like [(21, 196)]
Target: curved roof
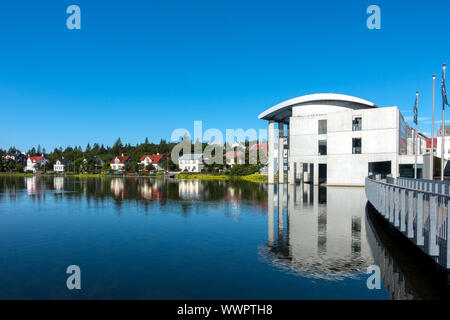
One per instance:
[(283, 111)]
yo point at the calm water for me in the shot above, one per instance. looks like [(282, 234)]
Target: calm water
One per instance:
[(166, 239)]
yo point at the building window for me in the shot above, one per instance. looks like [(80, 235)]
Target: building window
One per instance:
[(356, 146), (357, 124), (322, 126), (322, 147)]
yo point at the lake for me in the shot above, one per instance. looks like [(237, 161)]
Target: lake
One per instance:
[(143, 238)]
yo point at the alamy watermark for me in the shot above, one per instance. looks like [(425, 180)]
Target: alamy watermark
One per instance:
[(374, 280), (74, 280), (74, 20), (374, 20), (235, 142)]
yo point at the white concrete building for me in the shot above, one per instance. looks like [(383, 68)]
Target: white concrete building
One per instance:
[(446, 143), (340, 140), (191, 162)]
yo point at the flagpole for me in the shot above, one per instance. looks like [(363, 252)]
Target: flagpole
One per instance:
[(443, 130), (415, 138), (432, 132)]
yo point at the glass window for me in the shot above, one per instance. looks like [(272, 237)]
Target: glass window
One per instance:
[(322, 126), (322, 147), (356, 146), (357, 124)]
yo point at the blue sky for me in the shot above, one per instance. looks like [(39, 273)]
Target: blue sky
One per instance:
[(141, 69)]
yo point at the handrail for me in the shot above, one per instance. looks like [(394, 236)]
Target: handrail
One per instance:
[(420, 215), (411, 189)]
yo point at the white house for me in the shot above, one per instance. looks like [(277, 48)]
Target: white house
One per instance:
[(32, 162), (119, 162), (340, 140), (59, 165), (154, 159), (191, 162)]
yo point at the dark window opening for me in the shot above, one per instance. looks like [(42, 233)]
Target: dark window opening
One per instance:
[(357, 124), (322, 126), (380, 168), (356, 146), (322, 147)]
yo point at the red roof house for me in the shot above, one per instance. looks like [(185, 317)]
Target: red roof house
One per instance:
[(118, 162), (153, 159)]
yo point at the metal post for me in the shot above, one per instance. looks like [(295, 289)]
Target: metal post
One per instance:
[(432, 133), (443, 134)]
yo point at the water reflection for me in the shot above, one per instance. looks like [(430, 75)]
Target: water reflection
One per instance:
[(318, 234), (406, 272), (326, 233), (315, 236), (141, 190)]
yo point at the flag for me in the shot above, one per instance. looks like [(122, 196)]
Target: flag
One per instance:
[(416, 107), (444, 91)]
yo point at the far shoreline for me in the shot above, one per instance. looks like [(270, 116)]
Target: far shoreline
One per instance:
[(256, 178)]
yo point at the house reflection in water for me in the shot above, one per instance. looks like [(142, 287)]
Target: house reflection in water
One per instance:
[(319, 232), (190, 189), (151, 190), (118, 188), (33, 187), (58, 183)]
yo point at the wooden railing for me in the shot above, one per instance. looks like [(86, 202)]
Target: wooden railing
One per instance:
[(417, 208)]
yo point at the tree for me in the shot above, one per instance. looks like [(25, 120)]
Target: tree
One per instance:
[(118, 146), (11, 165)]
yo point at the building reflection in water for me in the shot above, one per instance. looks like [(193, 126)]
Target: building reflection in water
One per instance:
[(150, 189), (325, 233), (58, 183), (190, 189), (118, 188), (319, 231), (33, 187)]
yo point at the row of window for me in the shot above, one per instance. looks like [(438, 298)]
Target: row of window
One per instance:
[(356, 146), (356, 125), (187, 161)]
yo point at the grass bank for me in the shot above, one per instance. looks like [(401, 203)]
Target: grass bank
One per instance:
[(206, 176), (88, 175), (16, 174)]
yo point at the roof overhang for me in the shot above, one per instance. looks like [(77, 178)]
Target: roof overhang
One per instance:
[(283, 111)]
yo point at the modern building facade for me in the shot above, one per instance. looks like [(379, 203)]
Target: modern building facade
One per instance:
[(340, 140)]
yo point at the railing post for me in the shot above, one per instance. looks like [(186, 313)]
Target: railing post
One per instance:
[(391, 204), (410, 225), (433, 247), (396, 207), (419, 220), (403, 211)]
